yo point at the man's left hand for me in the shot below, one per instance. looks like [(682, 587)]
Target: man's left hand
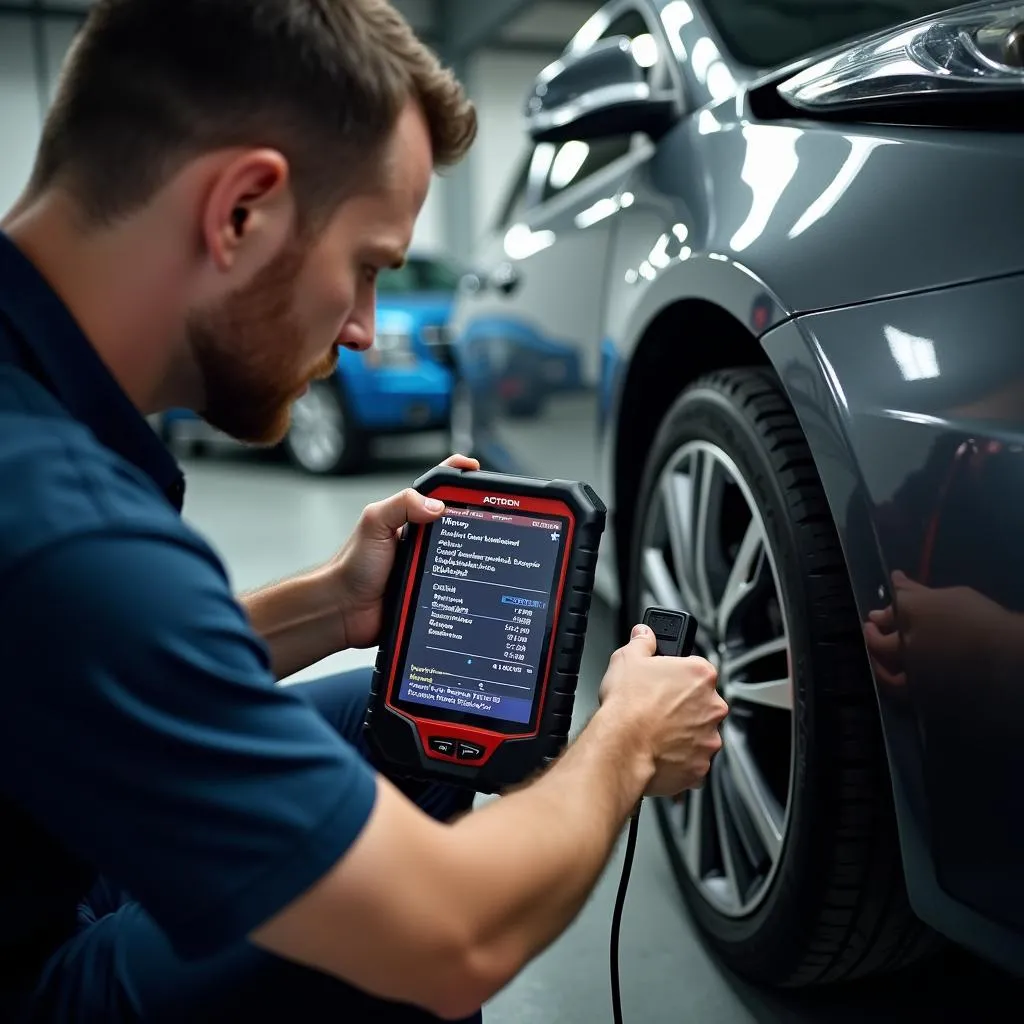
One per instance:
[(359, 572)]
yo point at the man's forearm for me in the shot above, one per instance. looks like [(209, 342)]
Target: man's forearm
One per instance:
[(533, 857), (299, 620), (444, 916)]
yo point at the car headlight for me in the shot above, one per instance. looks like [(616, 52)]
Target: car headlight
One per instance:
[(391, 348), (980, 46)]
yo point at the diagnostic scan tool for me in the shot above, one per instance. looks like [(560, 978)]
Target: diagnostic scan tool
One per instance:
[(475, 680)]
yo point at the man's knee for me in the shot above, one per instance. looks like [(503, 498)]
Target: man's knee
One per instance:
[(341, 699)]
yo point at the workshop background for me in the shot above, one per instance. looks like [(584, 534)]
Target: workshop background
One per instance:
[(497, 48), (271, 516)]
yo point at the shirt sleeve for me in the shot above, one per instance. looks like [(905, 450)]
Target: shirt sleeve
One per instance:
[(146, 732)]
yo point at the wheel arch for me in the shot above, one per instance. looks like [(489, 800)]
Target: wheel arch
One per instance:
[(670, 342)]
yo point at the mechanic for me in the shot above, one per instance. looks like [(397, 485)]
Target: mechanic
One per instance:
[(216, 187)]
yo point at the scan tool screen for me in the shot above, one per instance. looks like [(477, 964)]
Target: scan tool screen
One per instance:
[(481, 618)]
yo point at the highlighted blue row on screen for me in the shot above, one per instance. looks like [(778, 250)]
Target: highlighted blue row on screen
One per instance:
[(490, 705), (523, 602)]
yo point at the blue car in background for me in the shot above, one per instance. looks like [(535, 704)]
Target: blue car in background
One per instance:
[(402, 385)]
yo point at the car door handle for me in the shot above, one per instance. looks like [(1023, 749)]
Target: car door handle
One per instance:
[(505, 278)]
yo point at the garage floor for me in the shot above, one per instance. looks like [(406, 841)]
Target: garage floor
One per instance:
[(268, 521)]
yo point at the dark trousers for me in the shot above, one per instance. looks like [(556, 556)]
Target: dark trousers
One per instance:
[(120, 968)]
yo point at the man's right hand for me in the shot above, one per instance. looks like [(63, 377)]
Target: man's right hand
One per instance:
[(674, 707), (444, 916)]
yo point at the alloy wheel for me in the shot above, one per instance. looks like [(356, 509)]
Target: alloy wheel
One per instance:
[(317, 433), (704, 549)]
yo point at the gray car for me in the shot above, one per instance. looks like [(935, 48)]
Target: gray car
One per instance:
[(760, 280)]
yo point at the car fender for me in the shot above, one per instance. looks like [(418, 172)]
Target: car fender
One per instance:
[(636, 303), (879, 388)]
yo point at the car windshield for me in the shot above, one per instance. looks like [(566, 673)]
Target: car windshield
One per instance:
[(418, 275), (765, 33)]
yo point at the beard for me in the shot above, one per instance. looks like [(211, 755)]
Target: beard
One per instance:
[(245, 350)]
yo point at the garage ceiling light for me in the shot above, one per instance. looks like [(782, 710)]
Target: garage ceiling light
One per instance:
[(645, 50), (568, 163)]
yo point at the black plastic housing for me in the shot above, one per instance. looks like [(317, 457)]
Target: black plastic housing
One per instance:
[(393, 737)]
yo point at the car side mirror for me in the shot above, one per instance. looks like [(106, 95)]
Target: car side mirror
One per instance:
[(599, 92)]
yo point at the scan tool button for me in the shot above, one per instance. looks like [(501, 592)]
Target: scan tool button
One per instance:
[(443, 746), (470, 752)]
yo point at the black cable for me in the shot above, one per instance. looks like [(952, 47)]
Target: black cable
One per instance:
[(620, 900), (676, 632)]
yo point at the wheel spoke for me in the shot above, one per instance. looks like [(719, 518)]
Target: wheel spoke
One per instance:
[(764, 810), (677, 495), (693, 840), (704, 474), (729, 884), (659, 580), (743, 577), (736, 663), (778, 693), (706, 549)]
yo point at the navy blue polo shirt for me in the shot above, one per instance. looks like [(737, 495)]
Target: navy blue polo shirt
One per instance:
[(142, 736)]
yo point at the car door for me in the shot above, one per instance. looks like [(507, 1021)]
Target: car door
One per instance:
[(531, 334)]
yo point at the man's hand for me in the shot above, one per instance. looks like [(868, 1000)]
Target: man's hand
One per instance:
[(311, 616), (359, 572), (673, 707), (441, 934)]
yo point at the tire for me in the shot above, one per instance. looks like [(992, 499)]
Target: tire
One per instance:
[(323, 440), (819, 894)]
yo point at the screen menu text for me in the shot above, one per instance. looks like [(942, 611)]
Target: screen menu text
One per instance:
[(481, 616)]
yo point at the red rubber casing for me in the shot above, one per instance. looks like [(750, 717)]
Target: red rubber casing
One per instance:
[(399, 736)]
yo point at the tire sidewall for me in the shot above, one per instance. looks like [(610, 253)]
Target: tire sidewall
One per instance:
[(706, 413)]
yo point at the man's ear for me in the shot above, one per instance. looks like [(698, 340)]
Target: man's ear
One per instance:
[(249, 211)]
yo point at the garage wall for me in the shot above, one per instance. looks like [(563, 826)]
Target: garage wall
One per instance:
[(498, 81), (25, 88)]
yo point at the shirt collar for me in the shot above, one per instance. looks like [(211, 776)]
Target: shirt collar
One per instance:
[(65, 362)]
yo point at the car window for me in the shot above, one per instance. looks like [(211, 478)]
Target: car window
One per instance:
[(418, 275), (575, 161), (765, 33)]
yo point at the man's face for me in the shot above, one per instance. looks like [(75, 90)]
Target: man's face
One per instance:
[(259, 348)]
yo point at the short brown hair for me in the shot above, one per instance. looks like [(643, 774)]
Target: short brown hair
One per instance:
[(150, 84)]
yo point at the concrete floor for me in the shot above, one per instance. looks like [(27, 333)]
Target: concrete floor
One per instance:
[(268, 521)]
